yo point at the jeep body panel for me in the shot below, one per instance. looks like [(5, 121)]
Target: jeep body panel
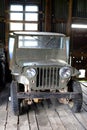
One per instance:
[(47, 53), (40, 68)]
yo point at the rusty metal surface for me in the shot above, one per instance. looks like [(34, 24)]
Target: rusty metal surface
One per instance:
[(47, 95)]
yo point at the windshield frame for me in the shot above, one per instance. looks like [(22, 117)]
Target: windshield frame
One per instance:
[(41, 41)]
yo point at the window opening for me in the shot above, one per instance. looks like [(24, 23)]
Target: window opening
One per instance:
[(24, 17)]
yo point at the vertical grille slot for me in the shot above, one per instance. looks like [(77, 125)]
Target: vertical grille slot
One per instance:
[(47, 77)]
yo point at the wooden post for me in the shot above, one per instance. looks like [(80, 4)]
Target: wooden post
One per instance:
[(7, 24), (69, 21), (48, 16)]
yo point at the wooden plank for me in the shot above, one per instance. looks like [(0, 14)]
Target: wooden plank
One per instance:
[(84, 88), (3, 108), (23, 122), (42, 118), (32, 118), (82, 118), (48, 12), (85, 98), (3, 116), (84, 107), (12, 120), (67, 117), (54, 119), (68, 29), (69, 120)]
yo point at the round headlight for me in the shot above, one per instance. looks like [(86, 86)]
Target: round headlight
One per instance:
[(31, 72), (65, 72)]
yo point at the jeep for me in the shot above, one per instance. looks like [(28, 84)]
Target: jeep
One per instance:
[(41, 69)]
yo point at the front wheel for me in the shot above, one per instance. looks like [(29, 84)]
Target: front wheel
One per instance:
[(15, 102), (76, 103)]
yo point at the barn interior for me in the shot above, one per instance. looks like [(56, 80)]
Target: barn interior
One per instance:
[(68, 17), (63, 16)]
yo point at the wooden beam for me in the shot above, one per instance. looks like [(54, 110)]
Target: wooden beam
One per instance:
[(79, 20), (48, 16), (20, 21), (7, 25), (56, 20), (68, 27)]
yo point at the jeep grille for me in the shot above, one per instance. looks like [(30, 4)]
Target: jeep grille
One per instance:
[(47, 77)]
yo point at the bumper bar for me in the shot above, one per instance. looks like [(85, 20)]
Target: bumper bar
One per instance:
[(47, 95)]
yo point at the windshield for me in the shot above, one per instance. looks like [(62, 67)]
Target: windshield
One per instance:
[(41, 42)]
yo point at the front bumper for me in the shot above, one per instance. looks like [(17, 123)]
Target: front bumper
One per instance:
[(47, 95)]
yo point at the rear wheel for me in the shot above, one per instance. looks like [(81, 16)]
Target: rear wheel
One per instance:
[(76, 103), (15, 102)]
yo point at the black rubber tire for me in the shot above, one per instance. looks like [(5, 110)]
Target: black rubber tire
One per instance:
[(74, 86), (15, 102)]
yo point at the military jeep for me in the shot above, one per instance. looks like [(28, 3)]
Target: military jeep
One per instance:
[(40, 68)]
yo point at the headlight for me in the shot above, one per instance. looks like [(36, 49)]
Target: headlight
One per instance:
[(31, 72), (65, 72)]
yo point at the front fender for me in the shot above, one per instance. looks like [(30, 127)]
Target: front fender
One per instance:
[(75, 73), (23, 80)]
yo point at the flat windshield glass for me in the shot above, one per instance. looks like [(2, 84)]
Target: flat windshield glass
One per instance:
[(41, 42)]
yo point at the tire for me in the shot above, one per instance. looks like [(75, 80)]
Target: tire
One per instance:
[(15, 102), (74, 86)]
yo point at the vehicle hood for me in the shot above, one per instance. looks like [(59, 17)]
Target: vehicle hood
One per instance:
[(51, 62)]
